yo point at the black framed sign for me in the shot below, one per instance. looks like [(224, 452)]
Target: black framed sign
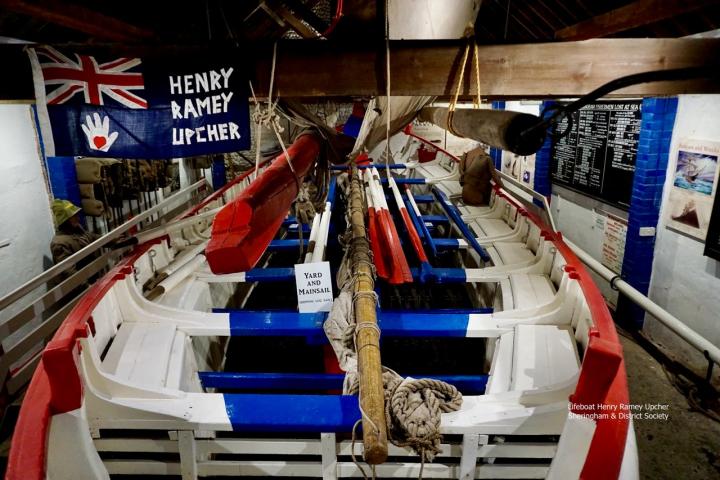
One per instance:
[(597, 156), (712, 241)]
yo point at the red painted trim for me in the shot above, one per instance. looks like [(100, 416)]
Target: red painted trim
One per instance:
[(28, 451), (602, 377), (408, 131), (55, 386)]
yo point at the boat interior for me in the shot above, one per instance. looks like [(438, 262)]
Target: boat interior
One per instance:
[(173, 357)]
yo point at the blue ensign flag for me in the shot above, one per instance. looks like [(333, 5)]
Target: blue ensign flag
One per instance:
[(143, 108)]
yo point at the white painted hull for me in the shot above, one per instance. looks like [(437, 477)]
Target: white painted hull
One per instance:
[(133, 368)]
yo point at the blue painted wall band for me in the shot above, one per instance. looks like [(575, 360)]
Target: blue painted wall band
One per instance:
[(657, 121)]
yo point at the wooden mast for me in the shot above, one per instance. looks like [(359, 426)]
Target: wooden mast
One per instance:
[(367, 338)]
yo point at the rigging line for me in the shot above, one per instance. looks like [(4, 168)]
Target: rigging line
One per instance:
[(564, 111), (387, 88), (207, 18), (507, 19), (258, 133), (227, 25)]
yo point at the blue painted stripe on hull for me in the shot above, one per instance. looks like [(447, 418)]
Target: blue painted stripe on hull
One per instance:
[(467, 384), (275, 323), (444, 275), (392, 324), (446, 244), (393, 166), (270, 275), (454, 214), (292, 413), (434, 219), (405, 181), (293, 228), (287, 244), (332, 189), (423, 198), (421, 228), (439, 311)]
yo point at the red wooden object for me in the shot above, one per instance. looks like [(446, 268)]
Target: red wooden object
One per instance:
[(243, 229), (381, 267)]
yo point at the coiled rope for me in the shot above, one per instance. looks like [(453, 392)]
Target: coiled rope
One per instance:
[(413, 407)]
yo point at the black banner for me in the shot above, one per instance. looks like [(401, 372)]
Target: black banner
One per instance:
[(712, 240), (597, 157), (16, 83)]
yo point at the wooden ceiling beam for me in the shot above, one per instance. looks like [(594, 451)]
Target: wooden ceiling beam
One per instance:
[(81, 19), (563, 69), (633, 15), (295, 23)]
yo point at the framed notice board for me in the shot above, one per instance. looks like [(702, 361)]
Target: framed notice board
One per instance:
[(597, 156)]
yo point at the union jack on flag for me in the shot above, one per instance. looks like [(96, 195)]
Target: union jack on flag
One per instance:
[(65, 78)]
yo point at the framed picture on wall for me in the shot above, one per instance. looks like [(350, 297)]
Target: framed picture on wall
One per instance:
[(694, 184)]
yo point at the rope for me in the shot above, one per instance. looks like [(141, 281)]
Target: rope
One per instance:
[(270, 118), (413, 407), (477, 99), (305, 209), (387, 88)]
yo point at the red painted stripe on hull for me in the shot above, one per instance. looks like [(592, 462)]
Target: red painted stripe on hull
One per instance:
[(243, 229)]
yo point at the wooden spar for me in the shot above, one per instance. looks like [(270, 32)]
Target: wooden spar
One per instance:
[(497, 128), (367, 338), (244, 227), (632, 15)]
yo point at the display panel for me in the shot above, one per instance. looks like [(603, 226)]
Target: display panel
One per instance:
[(597, 156)]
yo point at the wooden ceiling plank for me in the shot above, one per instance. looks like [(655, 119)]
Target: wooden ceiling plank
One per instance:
[(305, 12), (539, 15), (633, 15), (561, 5), (516, 18), (295, 23), (549, 12), (563, 69), (79, 18)]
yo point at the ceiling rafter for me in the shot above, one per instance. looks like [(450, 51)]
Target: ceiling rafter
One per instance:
[(633, 15), (79, 18)]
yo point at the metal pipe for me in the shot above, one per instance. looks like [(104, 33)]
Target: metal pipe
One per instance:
[(172, 280), (670, 321), (536, 195), (48, 274), (673, 323), (314, 232), (174, 226), (322, 237), (182, 258)]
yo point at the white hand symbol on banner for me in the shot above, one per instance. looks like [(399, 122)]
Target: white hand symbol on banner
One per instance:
[(98, 132)]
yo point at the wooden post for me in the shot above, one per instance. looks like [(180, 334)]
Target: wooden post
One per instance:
[(367, 341)]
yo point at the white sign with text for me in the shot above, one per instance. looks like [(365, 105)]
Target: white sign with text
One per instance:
[(314, 287)]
